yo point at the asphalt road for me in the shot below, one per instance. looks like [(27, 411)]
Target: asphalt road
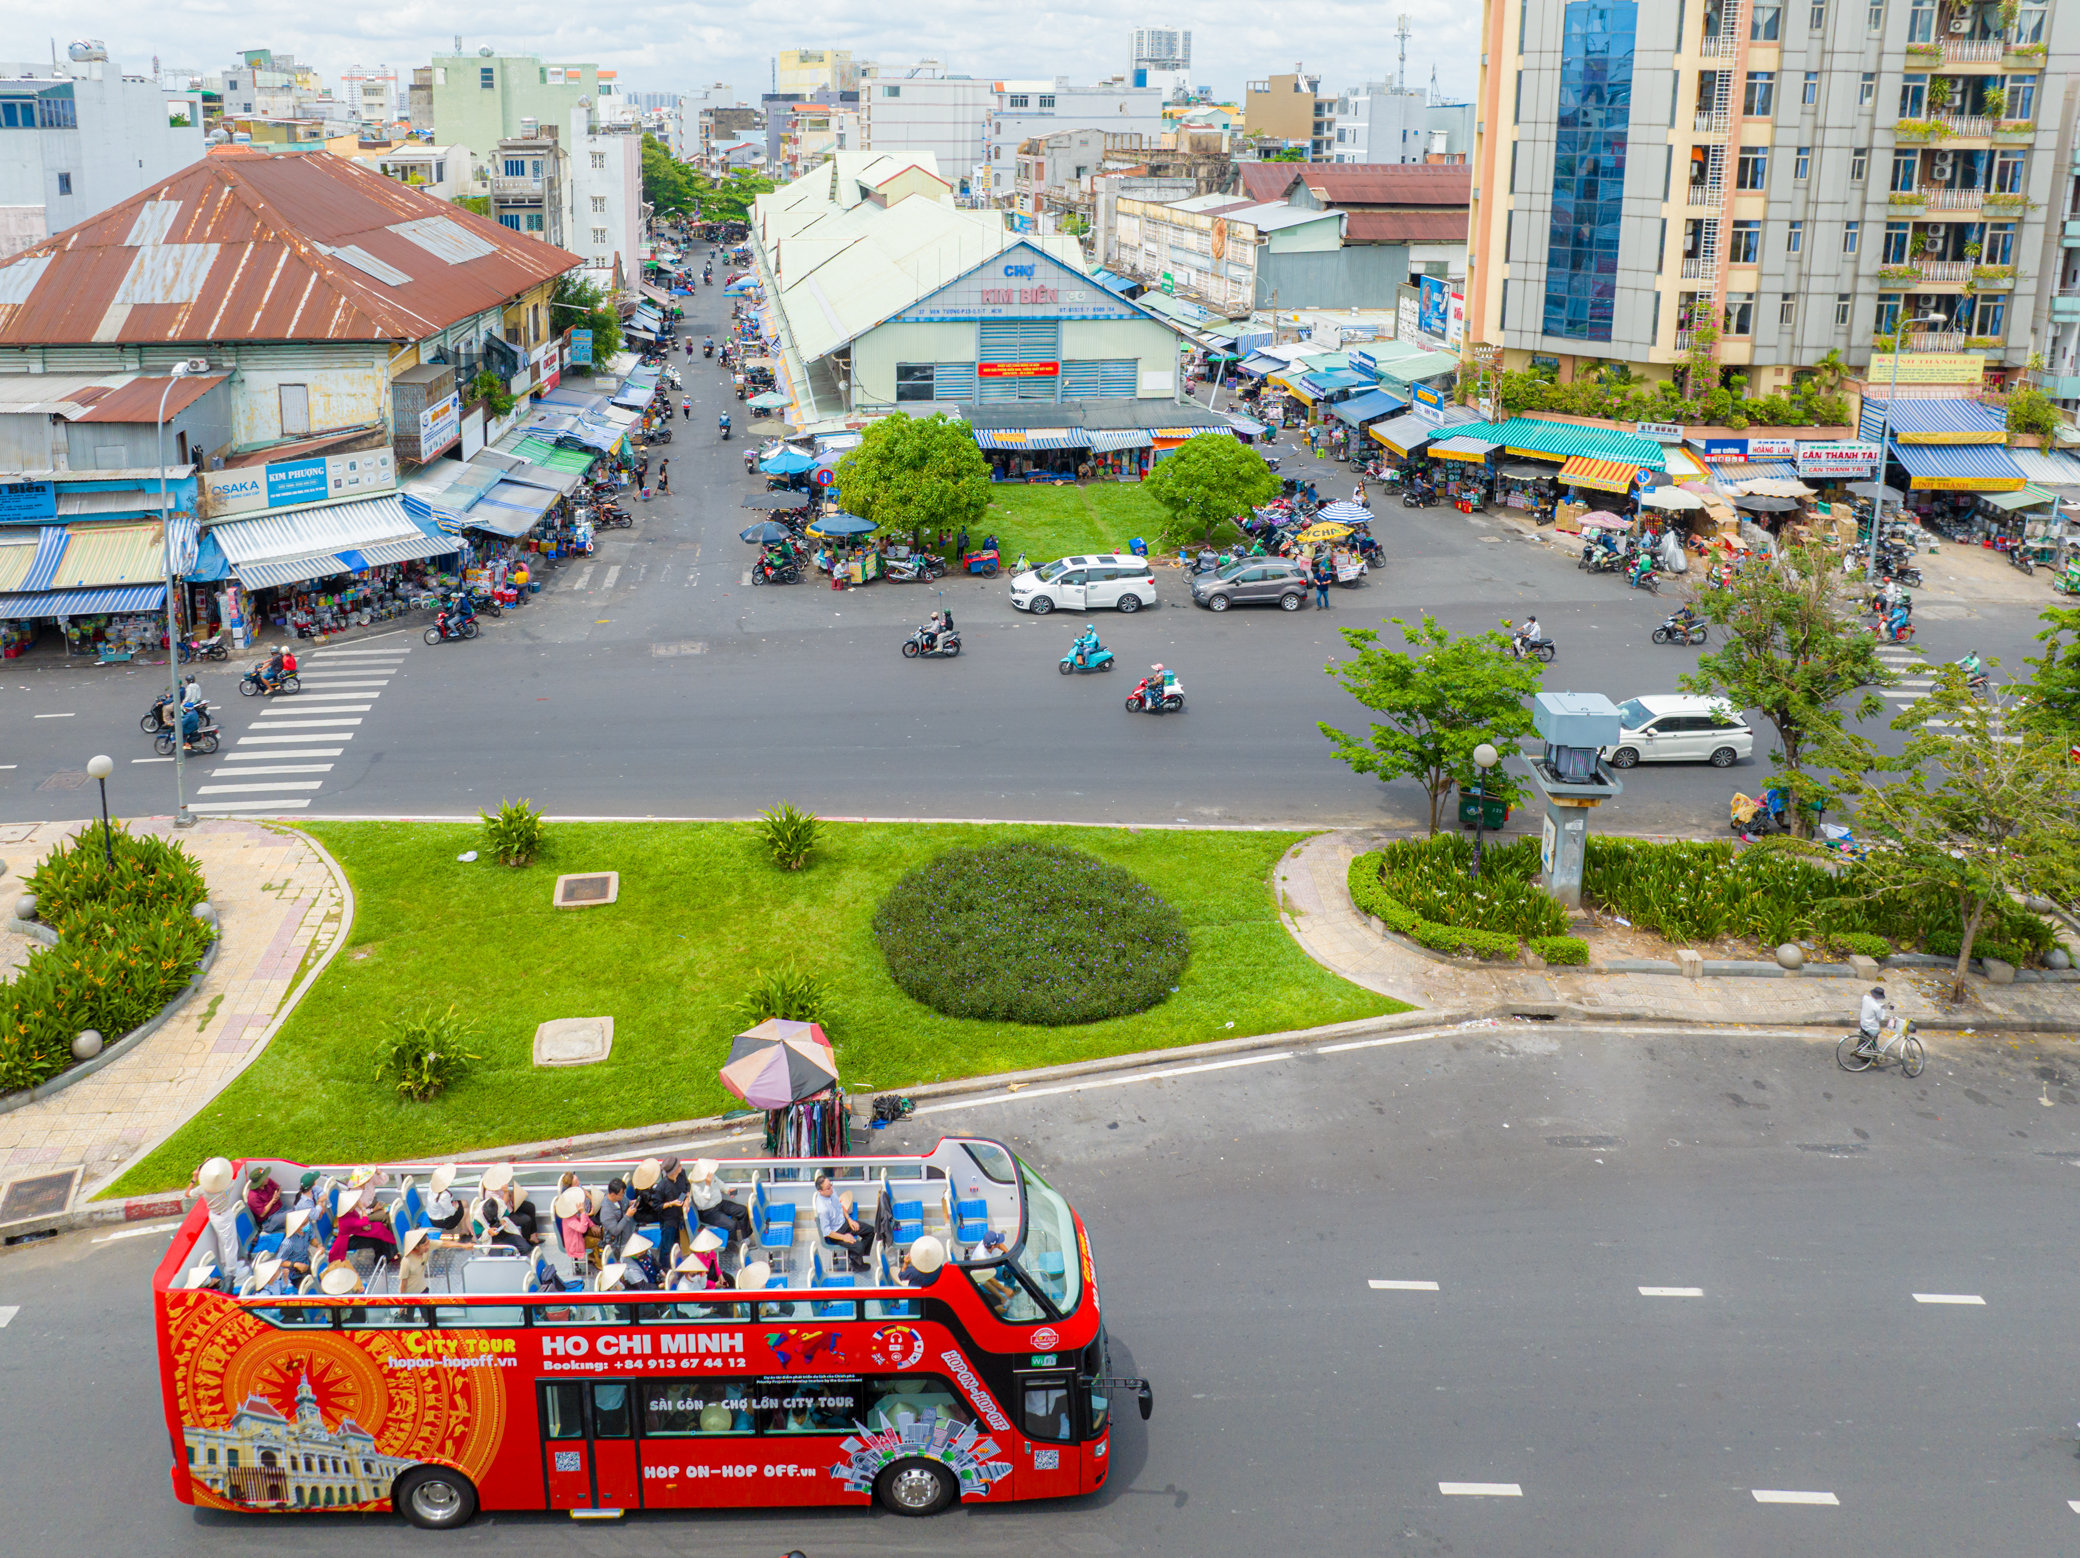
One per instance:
[(652, 680), (1541, 1177)]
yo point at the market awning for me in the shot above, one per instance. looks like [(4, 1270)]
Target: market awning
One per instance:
[(291, 570), (1181, 433), (1258, 366), (1112, 440), (1958, 467), (1015, 438), (2031, 496), (1289, 379), (1564, 440), (83, 603), (1949, 420), (43, 564), (771, 400), (1372, 406), (1333, 379), (1243, 424), (509, 509), (314, 532), (1603, 475), (1111, 283), (1465, 446), (1405, 435), (540, 451)]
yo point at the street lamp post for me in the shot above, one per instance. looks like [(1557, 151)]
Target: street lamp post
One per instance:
[(182, 817), (99, 768), (1899, 340), (1485, 757)]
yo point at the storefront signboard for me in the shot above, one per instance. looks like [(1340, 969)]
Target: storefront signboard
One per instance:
[(1428, 404), (1726, 449), (1772, 448), (1927, 368), (1018, 370), (28, 501), (1667, 431), (1833, 460), (1455, 321), (1020, 283), (440, 427), (1365, 363), (581, 347), (287, 483), (1433, 306)]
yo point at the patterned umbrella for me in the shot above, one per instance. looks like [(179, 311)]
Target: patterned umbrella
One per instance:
[(775, 1029), (1344, 512), (773, 1073)]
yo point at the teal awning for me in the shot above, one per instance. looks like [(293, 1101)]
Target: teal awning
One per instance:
[(1564, 440)]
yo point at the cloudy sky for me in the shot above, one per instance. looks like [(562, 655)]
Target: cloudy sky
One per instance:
[(672, 48)]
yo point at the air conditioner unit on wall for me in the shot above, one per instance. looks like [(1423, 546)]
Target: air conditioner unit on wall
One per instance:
[(1962, 22)]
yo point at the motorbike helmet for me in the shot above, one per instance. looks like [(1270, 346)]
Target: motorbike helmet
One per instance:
[(1157, 669)]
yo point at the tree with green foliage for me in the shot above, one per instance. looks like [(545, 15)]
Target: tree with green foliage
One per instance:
[(2032, 411), (2049, 704), (1978, 814), (916, 473), (1208, 481), (584, 305), (667, 184), (1436, 704), (1791, 649)]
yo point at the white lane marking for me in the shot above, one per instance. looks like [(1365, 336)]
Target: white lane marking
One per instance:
[(328, 655), (57, 716), (133, 1233), (284, 804), (330, 735), (345, 681), (7, 1313), (1075, 1087), (613, 573), (1480, 1490), (1380, 1284), (304, 724), (1671, 1292), (1392, 1038), (1949, 1298), (281, 784), (336, 704), (2074, 1505), (138, 760), (18, 765), (1785, 1496), (584, 577), (273, 757), (286, 768)]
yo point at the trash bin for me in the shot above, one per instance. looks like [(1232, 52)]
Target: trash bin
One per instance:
[(1470, 807)]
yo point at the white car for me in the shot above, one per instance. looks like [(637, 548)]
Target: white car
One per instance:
[(1120, 581), (1679, 728)]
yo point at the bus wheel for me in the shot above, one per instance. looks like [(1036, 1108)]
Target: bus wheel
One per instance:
[(916, 1488), (434, 1498)]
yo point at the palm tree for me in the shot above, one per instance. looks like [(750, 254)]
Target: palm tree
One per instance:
[(1829, 372)]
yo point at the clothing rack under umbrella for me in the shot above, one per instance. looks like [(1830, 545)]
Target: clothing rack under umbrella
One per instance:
[(790, 1071)]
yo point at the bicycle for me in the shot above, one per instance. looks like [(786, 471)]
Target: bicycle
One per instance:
[(1895, 1035)]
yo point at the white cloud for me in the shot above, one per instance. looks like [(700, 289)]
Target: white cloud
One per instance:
[(670, 49)]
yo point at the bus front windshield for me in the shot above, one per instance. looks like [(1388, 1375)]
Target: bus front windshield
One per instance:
[(1048, 1256)]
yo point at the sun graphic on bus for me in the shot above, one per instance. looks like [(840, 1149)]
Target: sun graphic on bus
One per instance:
[(897, 1346)]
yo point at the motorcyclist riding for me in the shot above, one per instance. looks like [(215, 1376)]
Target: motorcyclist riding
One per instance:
[(1526, 636), (271, 673), (722, 422), (939, 622)]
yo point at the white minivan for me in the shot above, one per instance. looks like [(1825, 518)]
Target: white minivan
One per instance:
[(1119, 581), (1679, 728)]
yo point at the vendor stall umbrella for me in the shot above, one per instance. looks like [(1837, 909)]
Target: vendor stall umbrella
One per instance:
[(1762, 505), (1599, 520), (841, 525), (771, 1074), (766, 530), (1875, 492), (1344, 513), (1325, 532), (1671, 498), (776, 1029), (787, 462)]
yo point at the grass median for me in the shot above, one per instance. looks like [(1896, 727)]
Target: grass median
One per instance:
[(701, 908), (1047, 522)]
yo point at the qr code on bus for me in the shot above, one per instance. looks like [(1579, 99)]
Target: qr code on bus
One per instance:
[(1047, 1460), (570, 1460)]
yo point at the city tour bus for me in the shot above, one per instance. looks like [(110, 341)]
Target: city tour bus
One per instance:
[(504, 1379)]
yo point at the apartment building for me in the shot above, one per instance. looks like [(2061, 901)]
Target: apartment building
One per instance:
[(923, 110), (481, 99), (368, 93), (1020, 111), (803, 72), (1291, 109), (1749, 184)]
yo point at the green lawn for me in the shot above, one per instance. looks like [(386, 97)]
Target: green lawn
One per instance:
[(700, 908), (1050, 522)]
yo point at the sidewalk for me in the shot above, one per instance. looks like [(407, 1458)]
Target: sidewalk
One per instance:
[(282, 906), (1312, 880)]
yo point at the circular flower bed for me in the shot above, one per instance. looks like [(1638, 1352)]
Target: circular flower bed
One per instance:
[(1030, 933)]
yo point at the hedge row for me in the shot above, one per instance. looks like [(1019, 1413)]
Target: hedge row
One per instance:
[(128, 944), (1372, 896)]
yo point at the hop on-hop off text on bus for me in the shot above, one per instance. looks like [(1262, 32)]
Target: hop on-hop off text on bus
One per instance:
[(510, 1381)]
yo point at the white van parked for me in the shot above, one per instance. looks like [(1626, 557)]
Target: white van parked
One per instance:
[(1119, 581)]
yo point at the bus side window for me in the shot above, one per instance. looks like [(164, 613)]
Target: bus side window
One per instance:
[(564, 1410), (610, 1414), (1045, 1410)]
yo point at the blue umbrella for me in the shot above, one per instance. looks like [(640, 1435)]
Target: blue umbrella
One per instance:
[(765, 530), (841, 525), (786, 462)]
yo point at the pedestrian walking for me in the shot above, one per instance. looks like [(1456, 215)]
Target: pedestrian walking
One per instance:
[(664, 480), (1324, 576)]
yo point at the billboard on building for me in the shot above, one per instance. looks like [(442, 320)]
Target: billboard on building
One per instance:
[(1433, 306), (288, 483), (1926, 368)]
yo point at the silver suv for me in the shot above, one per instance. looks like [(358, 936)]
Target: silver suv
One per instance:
[(1253, 581)]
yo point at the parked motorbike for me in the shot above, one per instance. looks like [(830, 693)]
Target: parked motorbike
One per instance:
[(211, 648), (1156, 693), (919, 569), (773, 570), (946, 645), (1086, 654), (251, 685), (1600, 559), (2019, 559), (1682, 628), (447, 626)]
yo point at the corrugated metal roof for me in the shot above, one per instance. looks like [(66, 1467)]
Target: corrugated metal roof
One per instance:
[(54, 394), (1958, 467), (138, 401), (1362, 183), (1561, 440), (239, 246), (1406, 433), (1957, 421), (1405, 226), (2050, 470), (15, 560), (1370, 406), (110, 554), (311, 531), (83, 603)]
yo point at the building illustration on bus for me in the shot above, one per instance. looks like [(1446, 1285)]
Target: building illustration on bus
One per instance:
[(451, 1368)]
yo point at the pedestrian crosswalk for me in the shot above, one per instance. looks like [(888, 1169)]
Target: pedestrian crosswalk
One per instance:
[(295, 736), (1916, 681)]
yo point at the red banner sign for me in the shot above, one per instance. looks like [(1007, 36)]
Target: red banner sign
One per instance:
[(1018, 370)]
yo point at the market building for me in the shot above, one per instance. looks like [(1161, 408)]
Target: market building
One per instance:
[(884, 295), (303, 364), (1751, 186)]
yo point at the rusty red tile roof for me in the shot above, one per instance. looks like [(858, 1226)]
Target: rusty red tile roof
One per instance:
[(244, 246), (1350, 184), (138, 401), (1405, 226)]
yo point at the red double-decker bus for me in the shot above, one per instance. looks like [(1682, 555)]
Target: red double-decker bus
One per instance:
[(511, 1382)]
